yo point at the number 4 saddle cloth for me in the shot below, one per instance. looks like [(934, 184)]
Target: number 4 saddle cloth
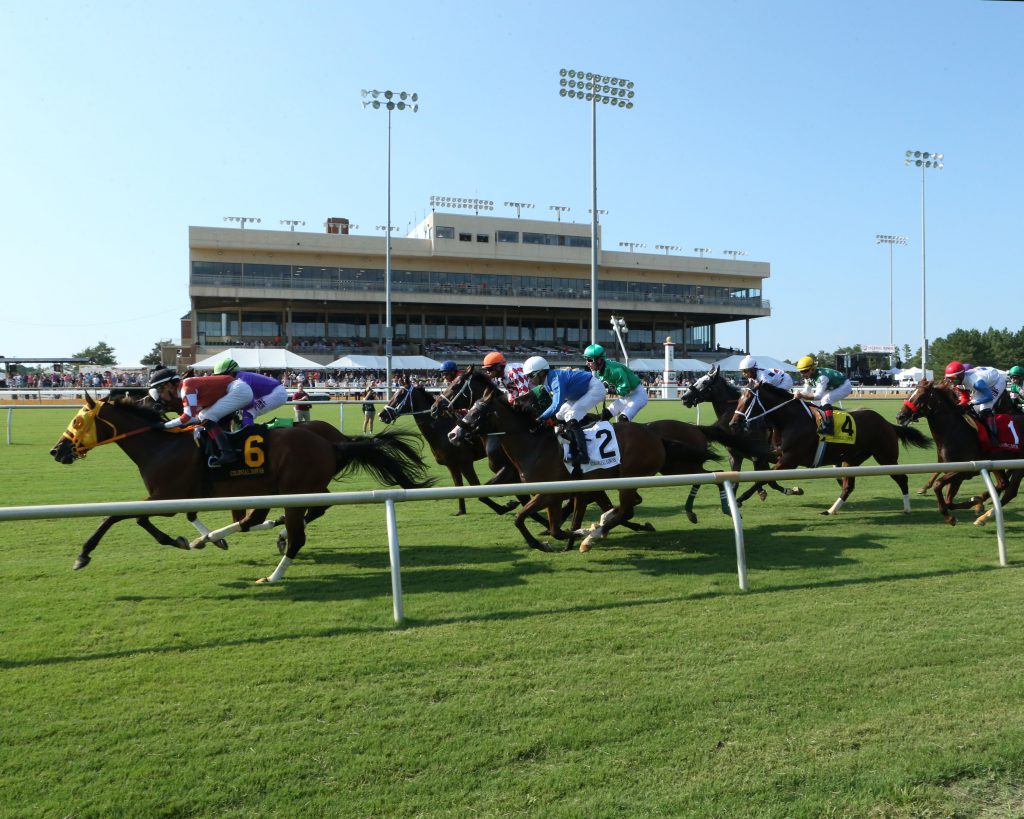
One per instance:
[(1009, 435), (844, 426)]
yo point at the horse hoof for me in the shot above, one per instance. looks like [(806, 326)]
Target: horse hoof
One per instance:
[(264, 580), (197, 544), (282, 543), (181, 543), (825, 512), (221, 544), (585, 545), (951, 521), (762, 495), (458, 514), (649, 527), (797, 490), (689, 516), (81, 562), (923, 490)]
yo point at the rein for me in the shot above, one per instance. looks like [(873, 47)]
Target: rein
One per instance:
[(757, 402)]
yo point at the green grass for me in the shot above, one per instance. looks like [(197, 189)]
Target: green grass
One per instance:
[(872, 670)]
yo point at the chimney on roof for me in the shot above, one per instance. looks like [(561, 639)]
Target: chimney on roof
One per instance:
[(337, 224)]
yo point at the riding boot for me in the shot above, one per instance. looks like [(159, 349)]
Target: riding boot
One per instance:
[(827, 421), (993, 428), (577, 444), (623, 418), (225, 453)]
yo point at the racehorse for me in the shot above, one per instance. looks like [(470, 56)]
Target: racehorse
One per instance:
[(537, 454), (713, 388), (798, 443), (956, 439), (457, 458), (289, 460)]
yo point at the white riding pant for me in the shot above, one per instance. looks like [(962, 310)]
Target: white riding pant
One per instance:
[(629, 405), (576, 410), (269, 402), (239, 395), (838, 394)]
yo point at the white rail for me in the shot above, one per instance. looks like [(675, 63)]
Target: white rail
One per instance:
[(389, 497)]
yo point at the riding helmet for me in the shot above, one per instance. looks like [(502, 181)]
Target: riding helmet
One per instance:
[(535, 364), (955, 368), (162, 376), (493, 358), (808, 362), (594, 351), (448, 366), (748, 363), (1016, 370), (226, 366)]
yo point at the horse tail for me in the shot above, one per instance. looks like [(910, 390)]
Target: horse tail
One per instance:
[(391, 457), (909, 436), (745, 445)]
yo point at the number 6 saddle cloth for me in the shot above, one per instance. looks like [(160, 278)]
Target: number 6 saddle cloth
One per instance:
[(250, 443)]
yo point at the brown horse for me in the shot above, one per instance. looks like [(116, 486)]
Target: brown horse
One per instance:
[(537, 454), (799, 445), (724, 398), (457, 458), (956, 439), (290, 460)]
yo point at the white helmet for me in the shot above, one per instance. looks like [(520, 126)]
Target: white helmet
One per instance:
[(777, 378), (748, 363), (535, 364)]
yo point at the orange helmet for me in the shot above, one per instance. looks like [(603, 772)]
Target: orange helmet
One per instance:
[(493, 358)]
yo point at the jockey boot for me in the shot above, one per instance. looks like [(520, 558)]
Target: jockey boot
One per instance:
[(225, 454), (993, 427), (577, 444), (623, 418), (827, 421)]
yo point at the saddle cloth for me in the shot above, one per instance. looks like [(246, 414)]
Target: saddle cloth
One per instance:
[(1009, 437), (252, 457), (844, 426), (602, 448)]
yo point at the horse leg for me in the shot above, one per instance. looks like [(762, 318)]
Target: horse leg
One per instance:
[(193, 518), (628, 498), (951, 483), (162, 537), (1008, 494), (457, 480), (296, 529), (528, 511), (847, 485), (929, 483), (469, 473), (83, 557), (688, 506)]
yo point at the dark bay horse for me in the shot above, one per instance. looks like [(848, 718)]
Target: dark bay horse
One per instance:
[(956, 439), (290, 460), (798, 442), (713, 388), (537, 454), (458, 458)]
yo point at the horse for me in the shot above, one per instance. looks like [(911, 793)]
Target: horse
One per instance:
[(457, 458), (799, 444), (956, 439), (289, 460), (713, 388), (537, 454)]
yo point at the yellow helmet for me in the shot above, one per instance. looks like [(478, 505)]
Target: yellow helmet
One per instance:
[(806, 363)]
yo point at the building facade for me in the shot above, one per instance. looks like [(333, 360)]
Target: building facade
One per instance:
[(459, 283)]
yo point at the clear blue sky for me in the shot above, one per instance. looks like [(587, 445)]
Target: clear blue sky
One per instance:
[(775, 128)]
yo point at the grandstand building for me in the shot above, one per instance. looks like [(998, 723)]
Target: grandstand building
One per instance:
[(460, 284)]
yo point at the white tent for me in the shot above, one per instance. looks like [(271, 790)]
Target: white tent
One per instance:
[(380, 362), (260, 358), (732, 363), (657, 365), (912, 374)]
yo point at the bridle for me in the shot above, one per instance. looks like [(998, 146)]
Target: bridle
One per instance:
[(756, 402), (80, 450)]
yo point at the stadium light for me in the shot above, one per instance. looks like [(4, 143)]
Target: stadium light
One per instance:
[(559, 209), (702, 250), (242, 220), (461, 203), (390, 101), (618, 93), (519, 206), (925, 160), (620, 329), (667, 248), (734, 253), (886, 239), (632, 246), (292, 223)]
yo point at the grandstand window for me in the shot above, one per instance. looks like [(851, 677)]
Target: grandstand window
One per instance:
[(444, 232), (306, 325), (465, 237), (508, 236), (343, 326), (493, 330), (577, 241), (260, 324), (483, 237)]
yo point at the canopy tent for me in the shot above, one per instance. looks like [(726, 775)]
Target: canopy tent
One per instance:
[(657, 365), (732, 363), (260, 358), (912, 374), (380, 362)]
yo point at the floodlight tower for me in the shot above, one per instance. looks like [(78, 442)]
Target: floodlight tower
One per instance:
[(702, 251), (461, 203), (390, 101), (595, 88), (632, 246), (242, 220), (924, 160), (667, 248), (292, 223), (519, 206), (559, 209)]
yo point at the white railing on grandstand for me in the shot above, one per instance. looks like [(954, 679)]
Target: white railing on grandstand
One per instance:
[(728, 480)]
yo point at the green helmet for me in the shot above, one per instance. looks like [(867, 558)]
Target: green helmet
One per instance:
[(1016, 369), (226, 366), (594, 351)]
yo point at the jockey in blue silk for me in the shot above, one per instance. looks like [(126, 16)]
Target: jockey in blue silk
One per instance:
[(824, 385), (573, 393), (986, 386)]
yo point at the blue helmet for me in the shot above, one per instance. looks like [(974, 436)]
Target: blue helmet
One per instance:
[(448, 366)]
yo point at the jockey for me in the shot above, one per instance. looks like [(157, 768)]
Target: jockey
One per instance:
[(163, 389), (631, 396), (986, 386), (823, 385), (449, 371), (267, 393), (1013, 389), (754, 374), (508, 376), (206, 400), (573, 394)]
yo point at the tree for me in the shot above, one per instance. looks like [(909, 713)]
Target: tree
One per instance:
[(100, 353), (152, 358)]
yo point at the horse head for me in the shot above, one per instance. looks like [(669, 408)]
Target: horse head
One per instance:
[(700, 390), (398, 405), (470, 425), (99, 422), (461, 392), (927, 398)]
